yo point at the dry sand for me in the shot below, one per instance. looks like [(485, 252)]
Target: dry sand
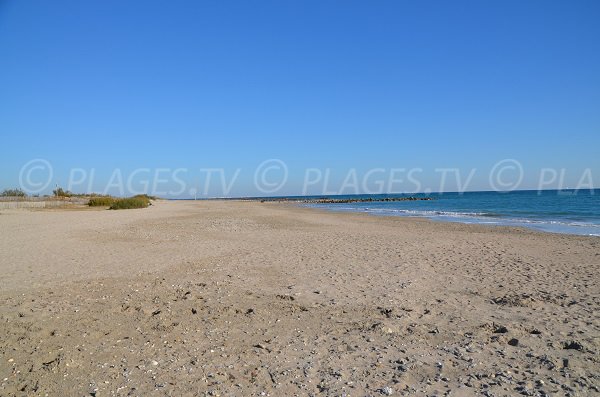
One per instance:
[(247, 298)]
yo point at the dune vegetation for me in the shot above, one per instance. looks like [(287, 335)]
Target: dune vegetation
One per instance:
[(105, 201), (114, 203), (139, 201)]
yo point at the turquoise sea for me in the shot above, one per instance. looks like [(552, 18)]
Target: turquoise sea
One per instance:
[(558, 211)]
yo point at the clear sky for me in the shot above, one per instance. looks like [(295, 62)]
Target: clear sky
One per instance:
[(317, 84)]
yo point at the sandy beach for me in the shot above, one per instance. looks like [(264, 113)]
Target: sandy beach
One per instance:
[(233, 298)]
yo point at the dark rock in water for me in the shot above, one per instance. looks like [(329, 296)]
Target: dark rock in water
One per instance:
[(513, 342), (328, 200)]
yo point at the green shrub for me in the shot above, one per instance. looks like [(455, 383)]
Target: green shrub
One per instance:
[(130, 203), (13, 193), (60, 192), (101, 201), (146, 196)]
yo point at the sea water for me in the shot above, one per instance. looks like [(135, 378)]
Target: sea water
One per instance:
[(558, 211)]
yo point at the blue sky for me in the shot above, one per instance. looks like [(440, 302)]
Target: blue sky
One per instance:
[(318, 84)]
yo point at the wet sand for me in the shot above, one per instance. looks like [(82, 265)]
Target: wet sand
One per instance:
[(247, 298)]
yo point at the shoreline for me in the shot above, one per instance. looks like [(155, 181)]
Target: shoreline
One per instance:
[(464, 220), (551, 211), (482, 226)]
